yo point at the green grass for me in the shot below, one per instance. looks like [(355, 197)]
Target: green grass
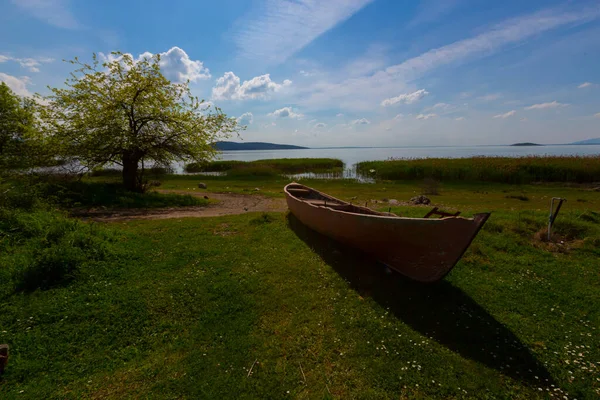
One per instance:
[(69, 194), (193, 306), (184, 308), (278, 166), (464, 196), (576, 169), (44, 249)]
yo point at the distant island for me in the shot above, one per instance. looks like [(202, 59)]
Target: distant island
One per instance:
[(588, 141), (526, 144), (229, 146)]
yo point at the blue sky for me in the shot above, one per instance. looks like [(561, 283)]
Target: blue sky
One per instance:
[(341, 72)]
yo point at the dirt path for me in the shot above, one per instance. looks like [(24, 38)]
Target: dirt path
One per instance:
[(228, 204)]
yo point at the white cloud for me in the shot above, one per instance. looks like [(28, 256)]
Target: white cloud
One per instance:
[(205, 105), (30, 63), (490, 97), (319, 125), (360, 93), (597, 115), (280, 28), (308, 74), (460, 119), (285, 112), (406, 98), (174, 63), (399, 116), (506, 115), (18, 85), (444, 107), (339, 115), (584, 85), (511, 31), (54, 12), (371, 61), (362, 121), (178, 67), (426, 116), (543, 106), (245, 118), (228, 87)]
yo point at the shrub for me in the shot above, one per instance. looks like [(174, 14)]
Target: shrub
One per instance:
[(43, 249)]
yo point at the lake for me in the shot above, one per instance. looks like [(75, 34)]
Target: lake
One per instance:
[(351, 156)]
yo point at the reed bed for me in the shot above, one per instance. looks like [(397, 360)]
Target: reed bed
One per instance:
[(573, 169), (278, 165)]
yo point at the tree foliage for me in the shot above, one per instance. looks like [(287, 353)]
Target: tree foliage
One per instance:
[(17, 128), (124, 111)]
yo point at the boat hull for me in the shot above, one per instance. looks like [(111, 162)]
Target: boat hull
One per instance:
[(422, 249)]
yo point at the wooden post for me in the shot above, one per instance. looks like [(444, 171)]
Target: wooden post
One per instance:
[(554, 213)]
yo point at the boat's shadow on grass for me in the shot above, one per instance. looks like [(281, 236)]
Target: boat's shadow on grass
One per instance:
[(440, 311)]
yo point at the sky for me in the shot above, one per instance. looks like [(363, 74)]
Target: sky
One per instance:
[(340, 72)]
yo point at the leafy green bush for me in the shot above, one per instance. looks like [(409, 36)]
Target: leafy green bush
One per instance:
[(16, 197), (43, 249), (74, 193)]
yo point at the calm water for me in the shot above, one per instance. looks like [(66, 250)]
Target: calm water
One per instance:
[(351, 156)]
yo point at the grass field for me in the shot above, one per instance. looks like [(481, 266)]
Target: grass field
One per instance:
[(257, 306), (463, 195), (584, 169)]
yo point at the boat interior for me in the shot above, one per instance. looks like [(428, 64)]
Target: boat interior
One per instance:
[(319, 199)]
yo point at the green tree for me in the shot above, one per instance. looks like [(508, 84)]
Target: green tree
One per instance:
[(17, 128), (124, 111)]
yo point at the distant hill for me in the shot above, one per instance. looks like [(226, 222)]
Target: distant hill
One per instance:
[(589, 141), (229, 146), (526, 144)]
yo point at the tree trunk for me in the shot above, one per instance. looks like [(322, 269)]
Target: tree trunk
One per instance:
[(130, 172)]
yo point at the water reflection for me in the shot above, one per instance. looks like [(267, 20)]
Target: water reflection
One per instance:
[(212, 173), (348, 173)]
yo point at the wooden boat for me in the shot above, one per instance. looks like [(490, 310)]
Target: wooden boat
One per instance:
[(424, 249)]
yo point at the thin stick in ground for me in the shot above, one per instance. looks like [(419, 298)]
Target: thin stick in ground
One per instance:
[(249, 372), (301, 370)]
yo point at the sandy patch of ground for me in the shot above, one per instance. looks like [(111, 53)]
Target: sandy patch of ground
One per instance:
[(228, 204)]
